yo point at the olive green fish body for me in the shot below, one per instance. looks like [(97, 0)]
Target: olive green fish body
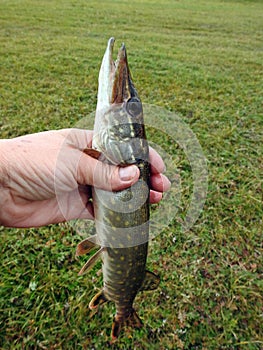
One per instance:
[(122, 222)]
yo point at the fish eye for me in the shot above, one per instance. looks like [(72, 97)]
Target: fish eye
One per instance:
[(134, 106)]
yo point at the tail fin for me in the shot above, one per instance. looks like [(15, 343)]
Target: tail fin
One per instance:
[(133, 320)]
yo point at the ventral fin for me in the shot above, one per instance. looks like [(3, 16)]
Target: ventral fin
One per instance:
[(85, 246), (97, 300), (91, 262), (150, 282), (92, 153)]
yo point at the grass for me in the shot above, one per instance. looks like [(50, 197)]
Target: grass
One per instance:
[(201, 60)]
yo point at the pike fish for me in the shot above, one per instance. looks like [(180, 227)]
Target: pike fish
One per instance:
[(121, 217)]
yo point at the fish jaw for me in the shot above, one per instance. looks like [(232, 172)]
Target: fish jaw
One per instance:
[(115, 83), (106, 77)]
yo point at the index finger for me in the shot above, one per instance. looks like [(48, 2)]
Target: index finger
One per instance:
[(156, 161)]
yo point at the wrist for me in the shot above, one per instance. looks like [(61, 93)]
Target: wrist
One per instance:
[(3, 164), (4, 188)]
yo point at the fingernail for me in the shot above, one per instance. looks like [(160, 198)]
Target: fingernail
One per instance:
[(128, 173)]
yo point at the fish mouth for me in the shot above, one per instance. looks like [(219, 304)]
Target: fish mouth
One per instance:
[(115, 83)]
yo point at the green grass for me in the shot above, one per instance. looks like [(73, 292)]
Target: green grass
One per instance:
[(200, 59)]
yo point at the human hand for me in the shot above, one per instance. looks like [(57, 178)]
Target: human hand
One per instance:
[(45, 178)]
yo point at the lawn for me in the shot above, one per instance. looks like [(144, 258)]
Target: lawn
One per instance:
[(202, 63)]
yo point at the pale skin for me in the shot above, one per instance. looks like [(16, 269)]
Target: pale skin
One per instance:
[(46, 178)]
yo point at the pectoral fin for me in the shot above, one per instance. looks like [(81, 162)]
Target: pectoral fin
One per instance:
[(85, 246), (150, 282), (91, 262), (92, 153)]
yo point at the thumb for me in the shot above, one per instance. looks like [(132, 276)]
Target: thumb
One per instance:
[(105, 176)]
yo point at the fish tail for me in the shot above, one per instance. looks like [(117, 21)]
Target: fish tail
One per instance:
[(119, 322)]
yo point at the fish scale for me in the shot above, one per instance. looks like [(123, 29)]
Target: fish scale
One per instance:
[(121, 217)]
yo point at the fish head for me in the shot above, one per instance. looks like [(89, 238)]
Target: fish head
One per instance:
[(115, 83), (119, 129)]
